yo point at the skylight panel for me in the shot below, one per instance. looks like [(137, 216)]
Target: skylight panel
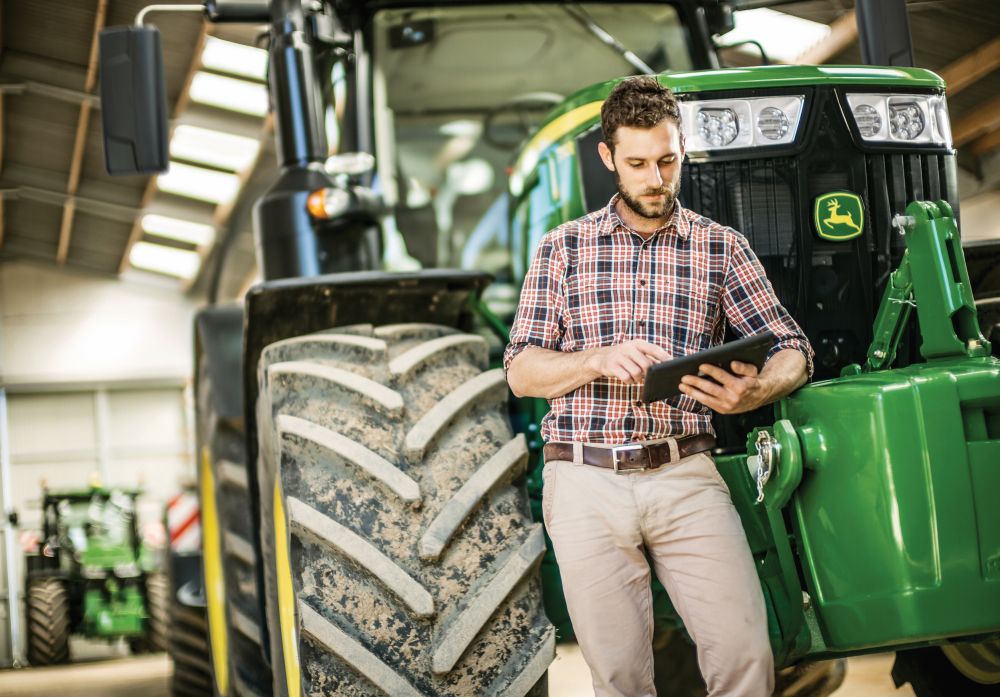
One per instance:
[(197, 234), (229, 93), (783, 36), (237, 59), (199, 183), (166, 260), (214, 148)]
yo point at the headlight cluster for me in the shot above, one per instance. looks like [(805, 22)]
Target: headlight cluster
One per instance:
[(901, 118), (726, 124)]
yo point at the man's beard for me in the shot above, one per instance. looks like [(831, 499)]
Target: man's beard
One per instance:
[(649, 210)]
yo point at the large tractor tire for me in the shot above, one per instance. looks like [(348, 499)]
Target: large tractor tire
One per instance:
[(189, 647), (969, 670), (158, 611), (230, 561), (676, 673), (400, 554), (48, 622), (158, 597)]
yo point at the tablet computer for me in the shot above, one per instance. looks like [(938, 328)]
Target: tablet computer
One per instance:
[(663, 379)]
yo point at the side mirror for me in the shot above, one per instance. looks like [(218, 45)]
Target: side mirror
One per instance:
[(719, 18), (133, 101)]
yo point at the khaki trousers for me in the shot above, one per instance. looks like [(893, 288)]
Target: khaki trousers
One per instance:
[(602, 523)]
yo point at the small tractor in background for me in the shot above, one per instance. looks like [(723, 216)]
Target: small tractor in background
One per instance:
[(91, 575), (369, 491)]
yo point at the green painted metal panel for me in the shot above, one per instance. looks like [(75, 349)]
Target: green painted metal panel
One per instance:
[(894, 517), (768, 76), (114, 611)]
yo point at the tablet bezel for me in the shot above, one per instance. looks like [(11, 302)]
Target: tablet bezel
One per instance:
[(663, 379)]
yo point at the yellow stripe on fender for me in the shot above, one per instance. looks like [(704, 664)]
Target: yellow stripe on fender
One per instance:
[(215, 582), (549, 134), (286, 596)]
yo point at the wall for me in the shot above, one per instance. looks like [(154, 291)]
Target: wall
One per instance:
[(58, 325), (96, 373)]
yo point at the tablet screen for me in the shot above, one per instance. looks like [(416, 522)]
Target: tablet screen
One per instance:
[(663, 379)]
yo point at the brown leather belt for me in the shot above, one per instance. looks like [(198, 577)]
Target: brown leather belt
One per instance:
[(632, 456)]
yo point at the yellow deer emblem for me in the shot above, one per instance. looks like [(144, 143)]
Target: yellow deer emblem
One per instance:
[(835, 218)]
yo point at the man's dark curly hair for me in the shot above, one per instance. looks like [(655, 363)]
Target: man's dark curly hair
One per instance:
[(637, 102)]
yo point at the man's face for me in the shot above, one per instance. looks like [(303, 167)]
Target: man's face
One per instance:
[(647, 167)]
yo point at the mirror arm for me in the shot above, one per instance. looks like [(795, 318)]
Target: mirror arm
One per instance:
[(140, 18)]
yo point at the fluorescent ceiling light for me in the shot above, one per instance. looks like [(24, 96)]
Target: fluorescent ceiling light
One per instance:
[(197, 234), (166, 260), (215, 148), (238, 59), (229, 93), (199, 183), (783, 36)]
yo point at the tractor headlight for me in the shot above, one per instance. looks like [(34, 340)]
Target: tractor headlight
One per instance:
[(718, 127), (772, 123), (725, 124), (868, 119), (901, 118)]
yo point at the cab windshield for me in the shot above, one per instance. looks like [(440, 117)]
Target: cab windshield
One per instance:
[(457, 90)]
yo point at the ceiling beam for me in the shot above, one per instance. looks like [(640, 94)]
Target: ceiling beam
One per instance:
[(985, 144), (80, 144), (974, 65), (843, 33), (980, 121), (182, 101), (98, 209), (43, 89)]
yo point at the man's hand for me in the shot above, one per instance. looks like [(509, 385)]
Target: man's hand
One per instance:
[(628, 361), (736, 392)]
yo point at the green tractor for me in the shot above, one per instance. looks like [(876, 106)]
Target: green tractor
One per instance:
[(370, 492), (92, 576)]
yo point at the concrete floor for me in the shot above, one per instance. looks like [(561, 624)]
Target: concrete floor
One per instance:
[(149, 676)]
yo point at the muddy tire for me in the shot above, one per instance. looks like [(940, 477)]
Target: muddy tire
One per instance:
[(48, 622), (400, 554), (230, 561), (675, 670), (970, 670)]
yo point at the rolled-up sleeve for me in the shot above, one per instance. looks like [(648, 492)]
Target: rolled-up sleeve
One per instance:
[(538, 321), (751, 306)]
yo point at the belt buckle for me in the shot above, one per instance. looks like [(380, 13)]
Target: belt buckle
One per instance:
[(623, 448)]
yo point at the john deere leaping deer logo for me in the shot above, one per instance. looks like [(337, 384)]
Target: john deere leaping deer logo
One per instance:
[(839, 216)]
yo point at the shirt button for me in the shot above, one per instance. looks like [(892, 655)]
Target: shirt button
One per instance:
[(638, 403), (642, 282)]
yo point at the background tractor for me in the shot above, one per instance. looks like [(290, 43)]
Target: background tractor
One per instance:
[(92, 576), (367, 528)]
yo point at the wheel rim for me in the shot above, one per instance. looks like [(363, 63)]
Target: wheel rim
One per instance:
[(978, 662), (286, 596), (215, 584)]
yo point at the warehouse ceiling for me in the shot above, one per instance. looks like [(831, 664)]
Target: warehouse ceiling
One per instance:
[(57, 204)]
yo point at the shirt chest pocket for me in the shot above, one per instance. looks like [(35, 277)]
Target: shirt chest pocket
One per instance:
[(598, 311), (688, 306)]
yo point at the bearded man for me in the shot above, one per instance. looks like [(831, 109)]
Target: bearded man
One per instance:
[(640, 281)]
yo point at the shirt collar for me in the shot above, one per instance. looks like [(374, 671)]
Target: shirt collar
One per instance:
[(678, 222)]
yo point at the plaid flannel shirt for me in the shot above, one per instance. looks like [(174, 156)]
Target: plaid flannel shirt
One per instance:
[(594, 282)]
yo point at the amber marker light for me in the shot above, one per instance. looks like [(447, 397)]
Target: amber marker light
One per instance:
[(324, 204)]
